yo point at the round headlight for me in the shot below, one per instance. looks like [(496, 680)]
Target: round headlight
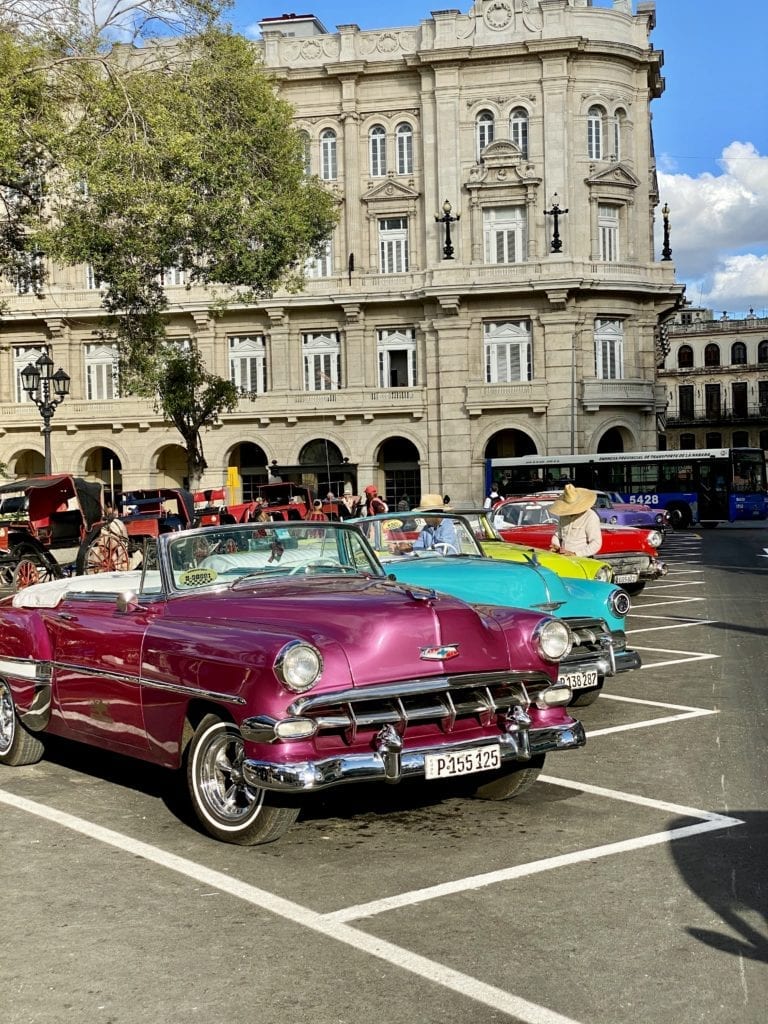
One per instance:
[(552, 639), (620, 602), (604, 574), (655, 537), (298, 666)]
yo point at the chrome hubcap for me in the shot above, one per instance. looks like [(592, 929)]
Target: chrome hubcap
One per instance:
[(222, 785), (7, 719)]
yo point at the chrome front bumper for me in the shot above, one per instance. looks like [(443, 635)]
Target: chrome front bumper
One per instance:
[(389, 764)]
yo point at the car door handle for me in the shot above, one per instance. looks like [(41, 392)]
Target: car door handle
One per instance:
[(68, 616)]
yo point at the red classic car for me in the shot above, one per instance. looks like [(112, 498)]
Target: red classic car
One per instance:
[(268, 660), (631, 551)]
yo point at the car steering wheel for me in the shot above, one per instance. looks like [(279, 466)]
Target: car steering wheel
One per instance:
[(445, 548)]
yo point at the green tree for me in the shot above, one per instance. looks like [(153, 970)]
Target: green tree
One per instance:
[(176, 155)]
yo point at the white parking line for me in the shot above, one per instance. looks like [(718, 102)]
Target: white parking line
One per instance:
[(325, 924), (671, 599), (709, 822), (689, 656), (674, 625)]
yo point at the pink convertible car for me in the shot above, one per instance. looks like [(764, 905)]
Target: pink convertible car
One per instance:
[(269, 660)]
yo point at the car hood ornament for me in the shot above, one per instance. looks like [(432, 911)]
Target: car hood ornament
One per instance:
[(443, 652)]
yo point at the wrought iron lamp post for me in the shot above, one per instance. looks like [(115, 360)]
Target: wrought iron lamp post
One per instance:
[(47, 390), (447, 219), (666, 252), (555, 213)]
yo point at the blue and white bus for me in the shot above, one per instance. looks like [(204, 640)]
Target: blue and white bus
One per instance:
[(703, 485)]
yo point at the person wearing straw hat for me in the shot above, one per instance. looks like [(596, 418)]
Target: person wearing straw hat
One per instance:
[(578, 532), (438, 532)]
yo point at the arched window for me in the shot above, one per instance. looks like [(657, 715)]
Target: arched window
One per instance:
[(762, 352), (485, 130), (619, 119), (377, 151), (712, 355), (738, 353), (685, 357), (595, 119), (687, 442), (518, 129), (404, 146), (328, 169), (306, 150)]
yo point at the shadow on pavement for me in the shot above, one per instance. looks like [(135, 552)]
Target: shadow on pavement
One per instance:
[(727, 870)]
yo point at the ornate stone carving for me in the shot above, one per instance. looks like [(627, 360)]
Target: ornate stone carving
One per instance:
[(499, 15)]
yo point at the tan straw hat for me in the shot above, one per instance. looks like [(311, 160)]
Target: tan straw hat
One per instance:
[(434, 503), (573, 501)]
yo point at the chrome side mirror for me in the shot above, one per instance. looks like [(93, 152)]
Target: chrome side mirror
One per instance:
[(127, 602)]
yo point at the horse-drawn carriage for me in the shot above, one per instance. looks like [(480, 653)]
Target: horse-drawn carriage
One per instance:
[(45, 526)]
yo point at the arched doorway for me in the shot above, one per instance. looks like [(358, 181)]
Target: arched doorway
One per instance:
[(509, 444), (399, 461), (171, 467), (611, 441), (324, 469), (249, 463), (26, 463), (103, 464)]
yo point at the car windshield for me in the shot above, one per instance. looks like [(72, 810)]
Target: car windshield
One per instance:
[(522, 513), (265, 551), (420, 534)]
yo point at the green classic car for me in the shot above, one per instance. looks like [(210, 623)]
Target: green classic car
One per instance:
[(494, 545)]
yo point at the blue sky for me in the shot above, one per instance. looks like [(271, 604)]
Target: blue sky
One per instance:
[(710, 131)]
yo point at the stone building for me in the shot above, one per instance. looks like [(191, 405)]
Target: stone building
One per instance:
[(716, 381), (491, 288)]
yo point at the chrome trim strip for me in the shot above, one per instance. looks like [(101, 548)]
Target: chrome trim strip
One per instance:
[(145, 681), (23, 668), (304, 776)]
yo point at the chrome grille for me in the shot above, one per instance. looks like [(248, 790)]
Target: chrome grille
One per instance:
[(592, 638), (441, 701)]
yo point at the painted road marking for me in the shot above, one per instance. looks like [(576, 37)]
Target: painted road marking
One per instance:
[(708, 822), (325, 924)]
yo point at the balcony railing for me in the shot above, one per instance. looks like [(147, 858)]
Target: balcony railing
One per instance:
[(635, 393), (752, 413)]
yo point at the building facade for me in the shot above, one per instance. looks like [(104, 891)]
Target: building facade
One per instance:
[(716, 381), (491, 287)]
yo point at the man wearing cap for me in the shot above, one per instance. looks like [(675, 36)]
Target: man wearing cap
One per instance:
[(578, 532), (374, 505)]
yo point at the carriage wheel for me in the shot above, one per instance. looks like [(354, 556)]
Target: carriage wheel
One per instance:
[(106, 553), (29, 570)]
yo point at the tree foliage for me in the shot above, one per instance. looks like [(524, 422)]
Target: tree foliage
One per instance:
[(134, 160)]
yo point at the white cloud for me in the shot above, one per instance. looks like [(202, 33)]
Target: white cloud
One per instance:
[(719, 230)]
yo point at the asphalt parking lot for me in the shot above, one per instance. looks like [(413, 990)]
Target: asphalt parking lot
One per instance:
[(627, 885)]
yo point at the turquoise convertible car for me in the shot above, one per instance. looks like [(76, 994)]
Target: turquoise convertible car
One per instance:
[(438, 550)]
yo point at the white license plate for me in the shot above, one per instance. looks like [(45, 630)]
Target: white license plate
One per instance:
[(579, 680), (626, 577), (462, 762)]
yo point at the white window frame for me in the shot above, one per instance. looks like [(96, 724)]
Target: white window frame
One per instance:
[(609, 348), (322, 265), (595, 123), (485, 130), (22, 280), (173, 277), (608, 223), (508, 348), (92, 282), (23, 355), (396, 339), (377, 151), (248, 363), (404, 148), (322, 360), (518, 129), (393, 245), (504, 234), (101, 372), (328, 157)]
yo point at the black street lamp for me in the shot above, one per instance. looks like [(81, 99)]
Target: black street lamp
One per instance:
[(666, 252), (47, 390), (447, 219), (555, 213)]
